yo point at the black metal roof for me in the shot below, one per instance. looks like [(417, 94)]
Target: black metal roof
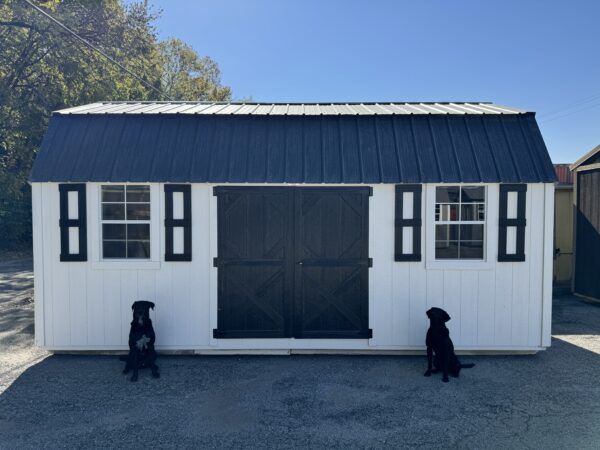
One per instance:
[(402, 148)]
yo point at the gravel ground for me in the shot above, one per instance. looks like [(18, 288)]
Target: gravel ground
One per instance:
[(550, 400)]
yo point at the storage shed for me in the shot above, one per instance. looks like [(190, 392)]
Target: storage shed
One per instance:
[(293, 227), (586, 281), (563, 229)]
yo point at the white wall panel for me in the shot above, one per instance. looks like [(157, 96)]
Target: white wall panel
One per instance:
[(87, 305)]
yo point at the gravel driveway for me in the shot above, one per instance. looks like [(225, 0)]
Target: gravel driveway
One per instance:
[(550, 400)]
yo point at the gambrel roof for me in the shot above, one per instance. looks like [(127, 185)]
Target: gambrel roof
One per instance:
[(293, 143)]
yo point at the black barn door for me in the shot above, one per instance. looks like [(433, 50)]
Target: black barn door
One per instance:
[(255, 249), (293, 262), (332, 263)]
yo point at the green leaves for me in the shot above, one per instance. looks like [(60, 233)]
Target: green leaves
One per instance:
[(187, 76), (43, 68)]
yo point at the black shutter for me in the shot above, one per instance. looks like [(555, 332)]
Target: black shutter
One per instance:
[(519, 222), (65, 223), (185, 222), (414, 223)]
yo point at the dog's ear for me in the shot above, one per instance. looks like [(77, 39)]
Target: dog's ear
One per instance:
[(428, 312), (446, 316), (151, 305)]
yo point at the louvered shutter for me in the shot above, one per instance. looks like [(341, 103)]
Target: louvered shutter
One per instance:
[(73, 224), (178, 222), (511, 233), (408, 222)]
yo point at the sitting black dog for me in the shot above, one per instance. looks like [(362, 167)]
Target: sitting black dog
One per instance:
[(438, 341), (141, 341)]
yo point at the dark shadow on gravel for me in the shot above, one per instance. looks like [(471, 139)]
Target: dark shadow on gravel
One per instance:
[(549, 400)]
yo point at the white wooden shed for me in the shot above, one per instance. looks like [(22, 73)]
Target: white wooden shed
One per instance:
[(293, 227)]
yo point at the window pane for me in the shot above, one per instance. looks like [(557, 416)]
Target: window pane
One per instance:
[(112, 211), (471, 232), (473, 194), (471, 249), (446, 212), (138, 249), (137, 211), (446, 194), (113, 193), (446, 250), (473, 211), (113, 231), (141, 231), (113, 249), (446, 232), (138, 193)]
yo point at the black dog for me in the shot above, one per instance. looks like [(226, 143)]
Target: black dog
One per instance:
[(141, 341), (438, 341)]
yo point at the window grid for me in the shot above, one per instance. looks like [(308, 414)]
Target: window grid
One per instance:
[(126, 222), (453, 216)]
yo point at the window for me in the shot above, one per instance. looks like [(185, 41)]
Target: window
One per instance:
[(125, 222), (459, 222)]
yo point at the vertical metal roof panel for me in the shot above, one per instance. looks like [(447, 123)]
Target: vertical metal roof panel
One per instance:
[(426, 153), (124, 158), (563, 174), (143, 150), (238, 158), (486, 162), (275, 155), (164, 148), (350, 150), (536, 146), (294, 138), (447, 161), (180, 167), (505, 160), (70, 150), (313, 155), (370, 159), (221, 148), (527, 168), (257, 147), (387, 149), (330, 143), (406, 152), (279, 110), (466, 159), (278, 148)]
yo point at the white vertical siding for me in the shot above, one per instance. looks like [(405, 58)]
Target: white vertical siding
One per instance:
[(494, 306)]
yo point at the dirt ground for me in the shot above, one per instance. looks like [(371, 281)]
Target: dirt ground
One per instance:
[(549, 400)]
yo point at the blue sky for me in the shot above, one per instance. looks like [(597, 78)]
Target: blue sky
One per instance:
[(537, 55)]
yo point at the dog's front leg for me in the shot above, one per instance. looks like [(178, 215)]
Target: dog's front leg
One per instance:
[(135, 366), (445, 364), (429, 361), (127, 365)]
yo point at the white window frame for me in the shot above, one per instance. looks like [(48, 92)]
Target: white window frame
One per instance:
[(490, 230), (94, 193)]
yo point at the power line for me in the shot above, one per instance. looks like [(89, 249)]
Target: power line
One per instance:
[(87, 43), (572, 105), (570, 113)]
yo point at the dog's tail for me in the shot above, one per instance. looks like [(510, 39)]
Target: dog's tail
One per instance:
[(467, 366)]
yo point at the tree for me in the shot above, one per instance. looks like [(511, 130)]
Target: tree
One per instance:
[(43, 68), (187, 76)]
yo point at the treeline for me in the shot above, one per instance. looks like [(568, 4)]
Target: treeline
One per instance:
[(43, 68)]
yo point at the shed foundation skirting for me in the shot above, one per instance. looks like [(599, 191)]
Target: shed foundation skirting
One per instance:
[(499, 307), (271, 352)]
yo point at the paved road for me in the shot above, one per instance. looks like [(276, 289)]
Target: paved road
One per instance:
[(550, 400)]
